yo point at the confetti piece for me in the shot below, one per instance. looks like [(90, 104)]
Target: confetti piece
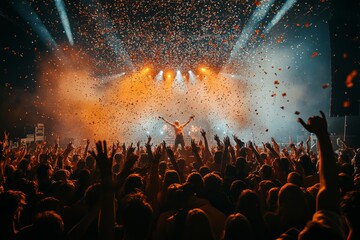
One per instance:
[(283, 94), (297, 113), (276, 82), (314, 54), (346, 104), (325, 85), (349, 79)]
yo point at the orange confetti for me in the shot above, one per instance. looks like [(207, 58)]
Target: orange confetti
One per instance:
[(307, 24), (314, 54), (284, 94), (325, 85), (280, 40), (349, 79), (346, 104), (276, 82), (257, 3)]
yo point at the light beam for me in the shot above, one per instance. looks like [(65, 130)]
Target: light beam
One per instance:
[(286, 7), (27, 12), (60, 6)]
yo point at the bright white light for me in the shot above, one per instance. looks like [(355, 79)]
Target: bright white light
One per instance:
[(64, 20), (192, 77), (286, 7), (160, 76), (161, 132), (179, 82)]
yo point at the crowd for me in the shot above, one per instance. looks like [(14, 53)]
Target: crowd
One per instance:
[(233, 190)]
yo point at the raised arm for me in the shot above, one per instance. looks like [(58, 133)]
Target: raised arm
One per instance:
[(207, 153), (197, 157), (107, 210), (328, 197), (168, 122), (190, 119), (256, 153)]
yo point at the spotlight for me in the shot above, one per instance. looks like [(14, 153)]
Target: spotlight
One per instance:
[(159, 76), (60, 6)]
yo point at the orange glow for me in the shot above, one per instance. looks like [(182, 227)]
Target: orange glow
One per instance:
[(346, 104)]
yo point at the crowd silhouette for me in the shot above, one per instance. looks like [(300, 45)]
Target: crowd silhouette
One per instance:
[(234, 190)]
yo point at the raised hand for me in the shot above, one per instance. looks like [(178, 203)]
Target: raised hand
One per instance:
[(203, 133), (103, 161), (315, 124), (192, 117), (130, 149), (216, 138), (194, 147), (138, 144), (170, 152), (238, 141), (157, 154), (250, 145), (227, 141), (148, 139)]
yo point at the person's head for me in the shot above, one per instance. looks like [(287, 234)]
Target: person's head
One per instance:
[(138, 216), (171, 195), (315, 230), (236, 188), (177, 123), (284, 165), (80, 164), (204, 170), (350, 208), (197, 181), (84, 177), (92, 195), (49, 204), (133, 183), (64, 191), (197, 226), (48, 225), (237, 226), (249, 204), (171, 176), (90, 163), (271, 199), (181, 164), (212, 182), (44, 172), (293, 207), (61, 175), (307, 165), (11, 205), (295, 178), (346, 183), (118, 158), (266, 172)]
